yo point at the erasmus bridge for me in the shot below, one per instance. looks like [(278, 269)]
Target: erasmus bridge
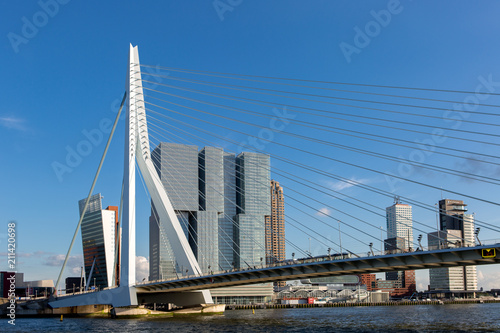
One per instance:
[(145, 122)]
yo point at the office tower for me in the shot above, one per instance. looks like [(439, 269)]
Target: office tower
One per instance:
[(399, 238), (452, 216), (203, 187), (275, 228), (457, 230), (177, 167), (226, 220), (253, 204), (399, 223), (222, 202), (211, 194), (275, 225), (98, 238)]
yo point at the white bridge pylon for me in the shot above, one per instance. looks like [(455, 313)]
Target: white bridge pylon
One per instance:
[(137, 149)]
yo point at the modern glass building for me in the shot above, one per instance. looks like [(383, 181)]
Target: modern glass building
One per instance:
[(226, 220), (177, 167), (253, 200), (221, 201), (98, 238)]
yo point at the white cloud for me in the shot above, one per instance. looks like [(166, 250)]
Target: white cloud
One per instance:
[(323, 211), (57, 260), (422, 279), (488, 280), (342, 185), (13, 123), (76, 271), (141, 268)]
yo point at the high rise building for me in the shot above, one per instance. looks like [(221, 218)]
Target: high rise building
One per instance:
[(253, 204), (226, 220), (221, 202), (177, 167), (457, 230), (399, 238), (99, 237), (275, 225), (399, 223), (275, 228)]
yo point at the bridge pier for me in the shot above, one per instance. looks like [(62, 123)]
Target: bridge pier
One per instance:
[(126, 301), (186, 299)]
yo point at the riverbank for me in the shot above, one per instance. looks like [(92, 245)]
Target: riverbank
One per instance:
[(341, 305), (40, 309)]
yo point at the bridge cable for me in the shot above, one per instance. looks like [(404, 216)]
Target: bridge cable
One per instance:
[(350, 148), (244, 88), (327, 128), (294, 109), (335, 82), (356, 116), (90, 192), (318, 171), (333, 159)]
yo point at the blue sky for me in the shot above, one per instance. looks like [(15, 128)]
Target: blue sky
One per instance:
[(64, 75)]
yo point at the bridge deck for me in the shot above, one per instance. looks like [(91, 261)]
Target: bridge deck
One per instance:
[(373, 264)]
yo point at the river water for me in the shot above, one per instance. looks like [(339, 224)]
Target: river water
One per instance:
[(417, 318)]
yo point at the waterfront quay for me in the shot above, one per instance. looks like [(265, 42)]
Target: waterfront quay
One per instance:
[(350, 304)]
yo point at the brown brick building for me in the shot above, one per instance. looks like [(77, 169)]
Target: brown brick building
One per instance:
[(275, 227)]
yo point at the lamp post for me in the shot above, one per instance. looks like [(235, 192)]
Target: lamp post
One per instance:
[(329, 257), (261, 263), (73, 288), (340, 241), (293, 256), (81, 279), (382, 239), (371, 248), (477, 235), (419, 242)]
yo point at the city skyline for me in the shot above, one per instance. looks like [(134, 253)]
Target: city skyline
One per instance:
[(64, 84)]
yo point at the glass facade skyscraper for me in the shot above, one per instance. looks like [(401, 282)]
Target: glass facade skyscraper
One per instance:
[(253, 200), (221, 201), (226, 220), (98, 238), (177, 167)]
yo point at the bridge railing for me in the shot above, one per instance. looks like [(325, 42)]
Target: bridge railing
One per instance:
[(343, 256)]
